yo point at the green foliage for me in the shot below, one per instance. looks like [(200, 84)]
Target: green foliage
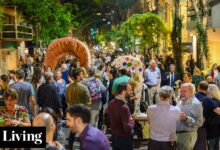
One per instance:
[(51, 19), (2, 3), (203, 49), (203, 38), (1, 18), (146, 27), (113, 35)]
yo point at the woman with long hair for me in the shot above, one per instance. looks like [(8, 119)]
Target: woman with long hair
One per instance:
[(37, 78)]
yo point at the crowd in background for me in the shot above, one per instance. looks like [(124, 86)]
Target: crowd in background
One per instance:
[(183, 113)]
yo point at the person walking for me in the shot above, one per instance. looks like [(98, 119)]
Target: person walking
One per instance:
[(26, 93)]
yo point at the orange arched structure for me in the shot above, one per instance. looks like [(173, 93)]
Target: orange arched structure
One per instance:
[(63, 46)]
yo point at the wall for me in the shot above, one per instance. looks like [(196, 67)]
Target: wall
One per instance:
[(214, 50), (8, 60), (215, 16)]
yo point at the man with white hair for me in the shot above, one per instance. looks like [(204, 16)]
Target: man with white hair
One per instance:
[(163, 119), (191, 117), (152, 78)]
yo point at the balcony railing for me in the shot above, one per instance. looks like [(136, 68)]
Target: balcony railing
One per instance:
[(16, 32)]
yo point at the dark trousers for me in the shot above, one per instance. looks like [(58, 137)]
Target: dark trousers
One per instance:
[(100, 120), (201, 142), (156, 145), (64, 106), (122, 143), (71, 140)]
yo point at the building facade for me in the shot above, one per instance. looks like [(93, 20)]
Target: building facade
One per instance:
[(190, 34), (14, 36)]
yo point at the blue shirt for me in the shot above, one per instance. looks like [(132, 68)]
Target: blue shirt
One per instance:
[(208, 104), (93, 139), (25, 91), (152, 77), (62, 88), (65, 75), (194, 110)]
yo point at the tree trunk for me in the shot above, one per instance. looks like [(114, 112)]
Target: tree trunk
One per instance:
[(176, 39)]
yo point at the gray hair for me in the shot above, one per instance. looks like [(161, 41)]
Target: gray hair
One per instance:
[(190, 86), (152, 61), (166, 92), (213, 91)]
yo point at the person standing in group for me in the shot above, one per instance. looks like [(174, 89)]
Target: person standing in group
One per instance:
[(61, 83), (46, 120), (26, 93), (96, 88), (112, 76), (51, 97), (3, 86), (171, 77), (187, 77), (163, 119), (12, 114), (91, 138), (11, 77), (213, 124), (76, 93), (191, 117), (122, 78), (65, 72), (152, 78), (214, 71), (216, 79), (120, 119), (210, 113)]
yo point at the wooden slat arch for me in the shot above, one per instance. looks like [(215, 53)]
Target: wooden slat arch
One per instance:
[(63, 46)]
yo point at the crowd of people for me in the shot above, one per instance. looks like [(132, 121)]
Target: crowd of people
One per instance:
[(183, 114)]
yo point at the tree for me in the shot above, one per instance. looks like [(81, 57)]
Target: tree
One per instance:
[(86, 16), (176, 37), (147, 28), (50, 19), (201, 27)]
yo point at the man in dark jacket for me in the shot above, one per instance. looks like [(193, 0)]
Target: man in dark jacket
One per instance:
[(48, 95), (170, 77)]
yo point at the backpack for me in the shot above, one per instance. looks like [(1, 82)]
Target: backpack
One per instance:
[(94, 89)]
